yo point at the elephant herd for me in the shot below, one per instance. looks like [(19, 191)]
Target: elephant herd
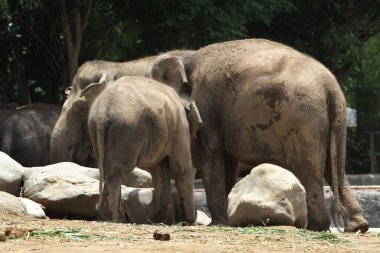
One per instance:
[(247, 101)]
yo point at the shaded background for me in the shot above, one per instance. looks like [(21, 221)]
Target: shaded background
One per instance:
[(42, 43)]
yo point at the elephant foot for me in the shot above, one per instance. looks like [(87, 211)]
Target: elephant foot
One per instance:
[(188, 223), (219, 221), (112, 218), (317, 227), (356, 225)]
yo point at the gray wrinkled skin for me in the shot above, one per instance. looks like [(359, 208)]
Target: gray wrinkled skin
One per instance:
[(25, 134), (136, 121)]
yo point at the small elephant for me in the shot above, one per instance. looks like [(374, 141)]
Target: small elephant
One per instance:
[(136, 121), (264, 102), (80, 151), (25, 134)]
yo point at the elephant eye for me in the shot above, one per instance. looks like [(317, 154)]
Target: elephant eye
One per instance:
[(68, 90)]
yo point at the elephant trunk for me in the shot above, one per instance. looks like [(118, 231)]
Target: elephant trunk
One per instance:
[(59, 142), (70, 141)]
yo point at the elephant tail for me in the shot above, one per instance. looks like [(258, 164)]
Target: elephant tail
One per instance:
[(99, 148), (96, 130), (337, 151)]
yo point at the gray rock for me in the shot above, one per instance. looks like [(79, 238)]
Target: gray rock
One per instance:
[(139, 205), (67, 189), (140, 208), (62, 191), (33, 209), (369, 200), (10, 204), (10, 175), (269, 195), (22, 207), (137, 178), (202, 218)]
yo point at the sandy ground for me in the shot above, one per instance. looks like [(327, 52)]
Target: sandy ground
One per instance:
[(51, 235)]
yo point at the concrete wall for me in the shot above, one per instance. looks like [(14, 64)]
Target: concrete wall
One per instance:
[(364, 179)]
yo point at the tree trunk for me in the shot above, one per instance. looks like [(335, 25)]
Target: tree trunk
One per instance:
[(73, 28), (23, 91)]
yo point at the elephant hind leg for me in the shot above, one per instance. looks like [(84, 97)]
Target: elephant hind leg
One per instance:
[(351, 211), (163, 198), (110, 205), (184, 174), (318, 218), (312, 180)]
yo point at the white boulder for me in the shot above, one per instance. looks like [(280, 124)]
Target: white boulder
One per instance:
[(62, 191), (33, 209), (10, 175), (269, 195), (23, 207), (137, 178)]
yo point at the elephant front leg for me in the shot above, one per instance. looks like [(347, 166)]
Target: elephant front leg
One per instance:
[(163, 198), (110, 205)]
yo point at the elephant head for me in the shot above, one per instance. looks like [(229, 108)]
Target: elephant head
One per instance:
[(70, 140), (170, 70)]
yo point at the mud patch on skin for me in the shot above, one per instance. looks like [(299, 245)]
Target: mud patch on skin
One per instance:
[(274, 94), (265, 126), (275, 116)]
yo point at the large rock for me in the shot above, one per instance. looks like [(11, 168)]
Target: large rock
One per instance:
[(269, 195), (139, 205), (369, 200), (33, 209), (140, 208), (62, 192), (67, 189), (137, 178), (13, 205), (10, 204), (69, 166), (10, 175)]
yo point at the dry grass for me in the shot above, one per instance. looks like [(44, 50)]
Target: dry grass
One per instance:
[(91, 236)]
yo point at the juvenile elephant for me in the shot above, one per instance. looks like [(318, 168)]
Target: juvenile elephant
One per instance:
[(264, 102), (136, 121), (80, 151), (25, 134)]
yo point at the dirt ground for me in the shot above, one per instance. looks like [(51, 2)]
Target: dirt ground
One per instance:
[(52, 235)]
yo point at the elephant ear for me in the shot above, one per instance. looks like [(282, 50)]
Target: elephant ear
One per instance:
[(93, 89), (193, 116), (169, 70)]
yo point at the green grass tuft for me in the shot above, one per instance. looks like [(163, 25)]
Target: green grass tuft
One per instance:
[(73, 234)]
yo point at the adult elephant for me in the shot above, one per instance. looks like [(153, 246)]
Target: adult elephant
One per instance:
[(262, 101), (25, 134), (73, 118)]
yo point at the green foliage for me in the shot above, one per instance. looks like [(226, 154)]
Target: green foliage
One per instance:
[(344, 35)]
